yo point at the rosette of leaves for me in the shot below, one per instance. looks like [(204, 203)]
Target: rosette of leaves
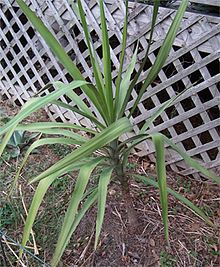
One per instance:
[(110, 124)]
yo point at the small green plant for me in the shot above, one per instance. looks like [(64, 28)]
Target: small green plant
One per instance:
[(111, 123), (167, 260)]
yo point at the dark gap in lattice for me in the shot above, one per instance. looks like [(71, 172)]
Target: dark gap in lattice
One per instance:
[(30, 32), (158, 121), (80, 67), (30, 73), (196, 77), (130, 98), (163, 96), (88, 61), (15, 27), (156, 51), (176, 48), (178, 86), (188, 144), (213, 113), (99, 51), (30, 53), (3, 63), (94, 36), (16, 49), (23, 41), (198, 156), (17, 102), (133, 74), (136, 112), (15, 8), (23, 80), (205, 137), (213, 67), (166, 133), (82, 46), (75, 30), (196, 120), (2, 43), (68, 77), (147, 65), (140, 124), (16, 68), (37, 65), (45, 79), (23, 19), (71, 53), (170, 70), (205, 95), (88, 79), (148, 104), (156, 81), (37, 85), (180, 128), (23, 61), (171, 112), (138, 87), (9, 56), (58, 119), (186, 60), (4, 97), (10, 75), (78, 91), (2, 23), (68, 100), (187, 104), (9, 36), (86, 102), (203, 54), (114, 42), (213, 153), (8, 15), (113, 67), (64, 41), (140, 47), (53, 72)]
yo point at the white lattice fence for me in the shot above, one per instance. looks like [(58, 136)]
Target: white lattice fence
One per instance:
[(192, 122)]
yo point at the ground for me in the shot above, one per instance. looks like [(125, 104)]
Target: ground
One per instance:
[(192, 241)]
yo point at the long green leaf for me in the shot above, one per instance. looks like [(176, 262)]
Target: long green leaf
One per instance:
[(38, 197), (163, 53), (36, 144), (80, 112), (126, 81), (34, 104), (72, 210), (52, 125), (104, 180), (191, 161), (181, 198), (161, 175), (122, 56), (94, 61), (58, 50), (105, 137), (106, 61), (88, 203), (136, 77)]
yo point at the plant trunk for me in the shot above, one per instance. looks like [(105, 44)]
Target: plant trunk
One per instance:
[(131, 213)]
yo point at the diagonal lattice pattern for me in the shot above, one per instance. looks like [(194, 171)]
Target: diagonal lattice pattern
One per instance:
[(192, 121)]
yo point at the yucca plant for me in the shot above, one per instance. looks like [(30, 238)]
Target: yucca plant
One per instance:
[(111, 106)]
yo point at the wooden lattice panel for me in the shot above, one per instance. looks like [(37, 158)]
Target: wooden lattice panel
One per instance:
[(192, 121)]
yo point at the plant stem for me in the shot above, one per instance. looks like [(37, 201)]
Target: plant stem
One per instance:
[(126, 194)]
